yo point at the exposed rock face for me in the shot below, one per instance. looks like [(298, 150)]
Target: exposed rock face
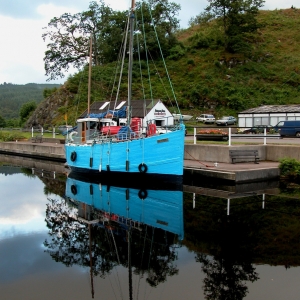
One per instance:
[(47, 110)]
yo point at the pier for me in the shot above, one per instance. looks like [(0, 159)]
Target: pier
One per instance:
[(209, 160)]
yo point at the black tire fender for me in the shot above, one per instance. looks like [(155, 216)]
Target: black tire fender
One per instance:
[(143, 168), (143, 194), (73, 156), (73, 189)]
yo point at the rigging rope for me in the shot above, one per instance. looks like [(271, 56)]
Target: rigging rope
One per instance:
[(156, 35), (145, 45), (198, 160)]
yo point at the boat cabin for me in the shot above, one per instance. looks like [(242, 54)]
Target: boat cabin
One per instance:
[(90, 128), (148, 111)]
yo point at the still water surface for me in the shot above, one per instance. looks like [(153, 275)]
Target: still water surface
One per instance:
[(65, 238)]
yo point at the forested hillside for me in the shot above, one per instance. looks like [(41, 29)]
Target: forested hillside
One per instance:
[(205, 76), (13, 96)]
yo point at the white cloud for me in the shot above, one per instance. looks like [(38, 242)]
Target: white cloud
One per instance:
[(23, 213), (20, 48), (48, 11)]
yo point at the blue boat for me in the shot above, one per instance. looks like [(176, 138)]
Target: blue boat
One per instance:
[(134, 207), (101, 145)]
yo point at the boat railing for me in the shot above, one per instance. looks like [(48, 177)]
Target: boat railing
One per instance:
[(99, 137)]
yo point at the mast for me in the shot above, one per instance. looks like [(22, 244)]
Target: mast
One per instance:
[(129, 264), (131, 29), (90, 76), (91, 261)]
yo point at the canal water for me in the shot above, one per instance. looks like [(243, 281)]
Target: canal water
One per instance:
[(64, 237)]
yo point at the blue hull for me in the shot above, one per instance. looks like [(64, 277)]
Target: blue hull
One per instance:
[(157, 208), (159, 154)]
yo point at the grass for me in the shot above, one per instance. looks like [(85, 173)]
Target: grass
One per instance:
[(13, 135)]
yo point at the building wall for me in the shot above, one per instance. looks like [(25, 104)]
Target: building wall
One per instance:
[(160, 114), (250, 120)]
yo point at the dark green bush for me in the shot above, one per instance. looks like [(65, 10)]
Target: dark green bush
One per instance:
[(289, 167)]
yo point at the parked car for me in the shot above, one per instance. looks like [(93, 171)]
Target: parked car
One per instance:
[(288, 128), (205, 118), (258, 129), (226, 121)]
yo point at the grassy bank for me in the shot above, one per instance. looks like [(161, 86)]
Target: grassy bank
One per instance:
[(13, 135)]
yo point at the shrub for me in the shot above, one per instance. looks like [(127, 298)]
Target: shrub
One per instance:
[(191, 62), (289, 167)]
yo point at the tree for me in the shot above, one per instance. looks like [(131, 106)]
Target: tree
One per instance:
[(48, 92), (69, 35), (162, 15), (238, 20), (2, 121), (26, 110)]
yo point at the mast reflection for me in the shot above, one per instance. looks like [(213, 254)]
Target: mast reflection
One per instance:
[(105, 226)]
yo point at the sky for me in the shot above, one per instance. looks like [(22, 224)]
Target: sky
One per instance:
[(21, 26)]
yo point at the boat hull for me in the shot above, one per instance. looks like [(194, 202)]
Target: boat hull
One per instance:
[(156, 155)]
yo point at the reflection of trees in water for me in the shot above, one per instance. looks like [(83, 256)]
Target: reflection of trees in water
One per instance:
[(226, 278), (290, 187), (229, 243), (229, 267), (152, 250), (53, 184), (250, 234)]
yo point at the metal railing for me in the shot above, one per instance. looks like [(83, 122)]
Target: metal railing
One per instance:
[(236, 135)]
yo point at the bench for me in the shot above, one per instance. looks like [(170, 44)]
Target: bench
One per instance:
[(37, 139), (240, 154)]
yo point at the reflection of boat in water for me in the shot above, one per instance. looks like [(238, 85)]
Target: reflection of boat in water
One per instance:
[(143, 224), (135, 206)]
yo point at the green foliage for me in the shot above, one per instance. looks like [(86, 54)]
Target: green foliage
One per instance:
[(106, 27), (13, 96), (48, 92), (289, 167), (177, 52), (12, 123), (11, 136), (26, 110), (239, 22), (2, 122), (191, 62), (209, 79)]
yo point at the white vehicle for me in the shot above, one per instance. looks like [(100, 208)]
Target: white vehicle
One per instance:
[(205, 118)]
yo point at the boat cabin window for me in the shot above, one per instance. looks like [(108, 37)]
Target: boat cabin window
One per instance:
[(93, 125)]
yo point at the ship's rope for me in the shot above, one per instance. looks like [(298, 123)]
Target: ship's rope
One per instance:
[(198, 160), (167, 72)]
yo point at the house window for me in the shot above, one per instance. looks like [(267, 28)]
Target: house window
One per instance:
[(249, 122), (257, 121), (264, 121)]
